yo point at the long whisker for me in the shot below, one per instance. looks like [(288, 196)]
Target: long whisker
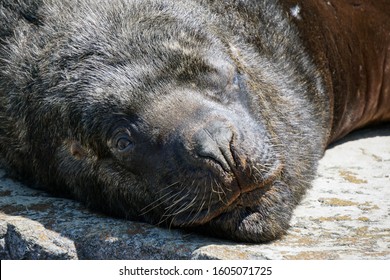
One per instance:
[(159, 201)]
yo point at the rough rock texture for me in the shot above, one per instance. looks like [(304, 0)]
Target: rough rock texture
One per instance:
[(346, 215)]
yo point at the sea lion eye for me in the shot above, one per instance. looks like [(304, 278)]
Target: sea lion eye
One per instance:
[(123, 144), (122, 141)]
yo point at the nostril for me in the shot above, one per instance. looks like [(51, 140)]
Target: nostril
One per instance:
[(213, 142)]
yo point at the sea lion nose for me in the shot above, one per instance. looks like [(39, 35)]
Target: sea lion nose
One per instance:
[(213, 142)]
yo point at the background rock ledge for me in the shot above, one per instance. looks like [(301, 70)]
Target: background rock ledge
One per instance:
[(346, 215)]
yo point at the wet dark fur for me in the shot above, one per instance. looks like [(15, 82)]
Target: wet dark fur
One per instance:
[(221, 114)]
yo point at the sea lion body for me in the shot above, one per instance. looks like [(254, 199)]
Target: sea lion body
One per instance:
[(350, 44), (209, 115)]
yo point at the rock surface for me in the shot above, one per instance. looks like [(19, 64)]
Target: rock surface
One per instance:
[(346, 215)]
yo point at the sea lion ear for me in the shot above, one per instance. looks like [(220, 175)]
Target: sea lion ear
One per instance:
[(77, 150)]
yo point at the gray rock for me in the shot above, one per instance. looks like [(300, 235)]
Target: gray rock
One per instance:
[(23, 238), (346, 215)]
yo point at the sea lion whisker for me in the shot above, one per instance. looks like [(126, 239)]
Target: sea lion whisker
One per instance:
[(172, 214), (211, 196), (168, 187), (187, 206), (157, 203), (196, 215), (219, 191), (167, 199), (167, 213), (184, 207), (177, 201), (191, 217), (224, 198), (216, 191)]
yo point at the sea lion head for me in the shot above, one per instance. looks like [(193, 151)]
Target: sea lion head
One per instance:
[(169, 119)]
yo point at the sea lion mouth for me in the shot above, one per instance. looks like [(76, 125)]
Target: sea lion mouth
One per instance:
[(244, 192)]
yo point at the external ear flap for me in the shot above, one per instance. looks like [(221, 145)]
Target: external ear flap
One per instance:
[(77, 150)]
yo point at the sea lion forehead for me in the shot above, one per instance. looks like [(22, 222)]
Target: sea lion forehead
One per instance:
[(150, 75)]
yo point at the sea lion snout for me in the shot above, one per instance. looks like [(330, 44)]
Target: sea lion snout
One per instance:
[(216, 144), (213, 142)]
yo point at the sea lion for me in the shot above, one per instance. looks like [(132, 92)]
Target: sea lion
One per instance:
[(207, 115)]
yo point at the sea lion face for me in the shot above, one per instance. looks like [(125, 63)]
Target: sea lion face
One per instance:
[(192, 144), (197, 150)]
